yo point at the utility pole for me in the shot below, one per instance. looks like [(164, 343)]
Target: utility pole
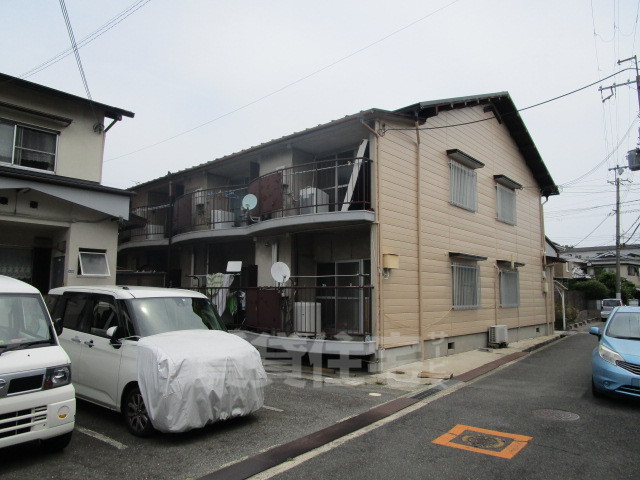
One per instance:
[(619, 170)]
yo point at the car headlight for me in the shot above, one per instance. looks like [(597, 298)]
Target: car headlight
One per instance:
[(609, 355), (57, 377)]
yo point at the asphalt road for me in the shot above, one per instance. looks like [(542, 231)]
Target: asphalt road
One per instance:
[(539, 410), (294, 408)]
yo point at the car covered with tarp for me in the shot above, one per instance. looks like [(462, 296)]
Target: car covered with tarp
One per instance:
[(160, 356)]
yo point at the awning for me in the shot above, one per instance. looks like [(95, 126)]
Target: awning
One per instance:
[(109, 202)]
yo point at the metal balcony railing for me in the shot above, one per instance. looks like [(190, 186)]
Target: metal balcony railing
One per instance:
[(156, 225), (330, 313), (336, 185)]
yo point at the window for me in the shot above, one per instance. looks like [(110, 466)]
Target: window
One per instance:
[(466, 286), (506, 204), (463, 183), (632, 270), (509, 288), (506, 198), (27, 147), (463, 180), (93, 263)]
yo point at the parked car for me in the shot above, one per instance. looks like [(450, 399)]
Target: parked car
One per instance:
[(609, 304), (616, 360), (37, 399), (160, 356)]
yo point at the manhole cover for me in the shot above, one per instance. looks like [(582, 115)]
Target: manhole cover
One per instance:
[(560, 415), (482, 441)]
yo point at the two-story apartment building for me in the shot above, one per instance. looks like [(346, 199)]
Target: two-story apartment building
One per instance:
[(406, 233), (58, 224)]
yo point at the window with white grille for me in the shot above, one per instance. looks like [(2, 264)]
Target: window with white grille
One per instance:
[(509, 288), (463, 186), (466, 286), (506, 204)]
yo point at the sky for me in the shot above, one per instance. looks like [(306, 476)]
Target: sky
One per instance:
[(207, 78)]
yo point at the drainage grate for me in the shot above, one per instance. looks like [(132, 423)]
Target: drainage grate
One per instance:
[(433, 390)]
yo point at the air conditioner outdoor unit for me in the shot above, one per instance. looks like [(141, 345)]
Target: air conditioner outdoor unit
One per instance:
[(313, 200), (498, 335), (307, 318)]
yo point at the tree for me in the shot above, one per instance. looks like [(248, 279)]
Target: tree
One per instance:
[(593, 289), (628, 289)]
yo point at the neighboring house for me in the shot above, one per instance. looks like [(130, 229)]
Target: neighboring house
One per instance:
[(58, 225), (407, 233), (606, 262), (580, 254), (594, 260)]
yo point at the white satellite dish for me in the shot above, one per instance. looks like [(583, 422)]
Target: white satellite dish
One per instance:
[(280, 272), (249, 202)]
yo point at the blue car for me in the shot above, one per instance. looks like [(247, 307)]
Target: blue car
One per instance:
[(616, 360)]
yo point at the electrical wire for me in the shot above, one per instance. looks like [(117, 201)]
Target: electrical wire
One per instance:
[(130, 10), (288, 85), (67, 21), (592, 231)]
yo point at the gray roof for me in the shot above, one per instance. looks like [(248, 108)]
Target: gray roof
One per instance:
[(114, 113)]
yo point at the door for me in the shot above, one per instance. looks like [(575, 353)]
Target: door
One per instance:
[(95, 362), (342, 305)]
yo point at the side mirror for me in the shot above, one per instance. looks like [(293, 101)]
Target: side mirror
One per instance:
[(112, 333), (595, 331), (57, 325)]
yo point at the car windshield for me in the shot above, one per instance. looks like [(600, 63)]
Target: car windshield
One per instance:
[(625, 325), (168, 314), (611, 303), (23, 320)]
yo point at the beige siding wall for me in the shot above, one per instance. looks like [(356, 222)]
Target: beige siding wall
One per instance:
[(80, 149), (446, 228)]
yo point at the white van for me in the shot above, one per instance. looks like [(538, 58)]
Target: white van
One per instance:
[(161, 356), (37, 399)]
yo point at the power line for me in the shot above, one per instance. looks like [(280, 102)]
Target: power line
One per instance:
[(65, 14), (288, 85), (589, 234), (130, 10)]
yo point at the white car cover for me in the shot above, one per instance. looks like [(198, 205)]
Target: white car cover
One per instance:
[(190, 378)]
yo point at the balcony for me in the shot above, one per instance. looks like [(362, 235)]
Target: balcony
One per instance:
[(327, 191), (300, 316), (152, 224)]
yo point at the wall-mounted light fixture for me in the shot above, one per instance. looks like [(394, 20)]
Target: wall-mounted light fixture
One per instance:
[(390, 261)]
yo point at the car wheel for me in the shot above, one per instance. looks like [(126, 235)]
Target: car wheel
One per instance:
[(56, 444), (595, 390), (135, 414)]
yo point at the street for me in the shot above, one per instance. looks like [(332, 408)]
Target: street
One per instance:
[(545, 397), (535, 418)]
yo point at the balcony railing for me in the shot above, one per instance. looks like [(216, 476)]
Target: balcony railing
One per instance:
[(156, 226), (330, 313), (336, 185)]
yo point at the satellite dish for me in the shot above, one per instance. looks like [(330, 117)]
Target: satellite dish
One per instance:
[(249, 202), (280, 272)]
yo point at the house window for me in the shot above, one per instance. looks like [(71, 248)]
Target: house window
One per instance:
[(506, 204), (466, 286), (506, 198), (27, 147), (93, 263), (463, 186), (509, 288), (632, 270)]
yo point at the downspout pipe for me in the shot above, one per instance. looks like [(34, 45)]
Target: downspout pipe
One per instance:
[(419, 226)]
